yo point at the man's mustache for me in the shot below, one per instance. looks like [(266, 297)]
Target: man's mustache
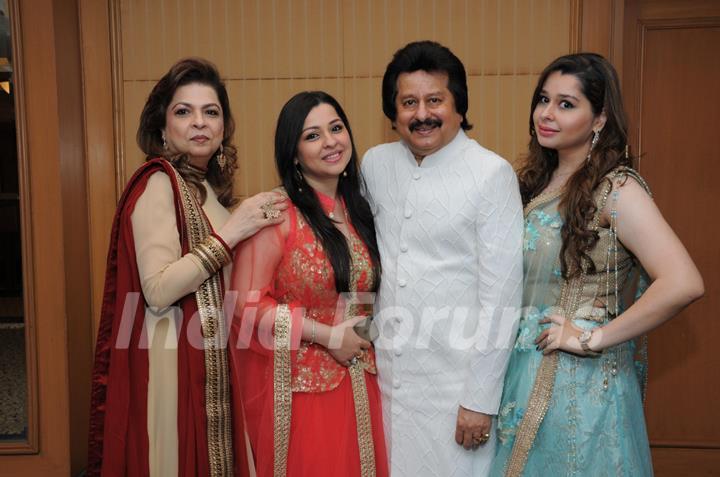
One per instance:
[(429, 122)]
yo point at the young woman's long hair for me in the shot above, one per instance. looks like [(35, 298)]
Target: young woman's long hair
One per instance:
[(152, 122), (599, 83), (287, 137)]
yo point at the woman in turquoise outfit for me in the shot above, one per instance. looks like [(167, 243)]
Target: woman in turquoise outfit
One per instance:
[(573, 398)]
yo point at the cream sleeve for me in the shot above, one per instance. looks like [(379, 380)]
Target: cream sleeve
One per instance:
[(165, 275)]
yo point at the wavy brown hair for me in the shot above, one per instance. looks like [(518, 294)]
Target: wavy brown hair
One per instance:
[(152, 123), (599, 83)]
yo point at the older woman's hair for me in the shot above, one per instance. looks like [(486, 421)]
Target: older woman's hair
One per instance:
[(152, 122)]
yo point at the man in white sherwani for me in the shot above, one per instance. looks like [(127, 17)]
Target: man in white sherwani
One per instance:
[(449, 224)]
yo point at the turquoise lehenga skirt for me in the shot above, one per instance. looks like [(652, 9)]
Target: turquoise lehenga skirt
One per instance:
[(594, 425)]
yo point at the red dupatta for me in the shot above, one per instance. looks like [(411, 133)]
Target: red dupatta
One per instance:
[(210, 441)]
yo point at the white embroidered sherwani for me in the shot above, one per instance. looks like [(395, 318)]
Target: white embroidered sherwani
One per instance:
[(450, 238)]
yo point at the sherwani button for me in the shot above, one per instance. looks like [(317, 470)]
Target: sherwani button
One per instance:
[(403, 247), (402, 283), (416, 176), (408, 214), (396, 384)]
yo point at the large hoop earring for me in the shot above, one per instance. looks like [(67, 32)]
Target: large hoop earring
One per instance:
[(596, 137), (221, 159)]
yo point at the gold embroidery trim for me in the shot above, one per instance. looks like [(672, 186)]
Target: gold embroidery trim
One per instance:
[(209, 299), (542, 391), (541, 199), (537, 407), (366, 445), (282, 381)]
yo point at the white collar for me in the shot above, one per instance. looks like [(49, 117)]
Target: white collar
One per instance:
[(444, 154)]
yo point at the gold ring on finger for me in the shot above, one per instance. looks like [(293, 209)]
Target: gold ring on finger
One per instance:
[(269, 212)]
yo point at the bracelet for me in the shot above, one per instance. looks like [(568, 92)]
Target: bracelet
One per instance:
[(312, 332), (212, 253), (223, 243), (589, 352), (584, 339)]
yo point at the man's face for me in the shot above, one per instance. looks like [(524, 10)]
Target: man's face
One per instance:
[(426, 116)]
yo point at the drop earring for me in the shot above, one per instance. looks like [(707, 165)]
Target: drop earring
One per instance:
[(596, 137), (221, 159)]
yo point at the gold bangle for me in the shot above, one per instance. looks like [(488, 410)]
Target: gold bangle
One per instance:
[(312, 332), (206, 262), (212, 253), (218, 249)]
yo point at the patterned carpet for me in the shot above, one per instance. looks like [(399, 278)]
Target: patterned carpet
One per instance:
[(13, 383)]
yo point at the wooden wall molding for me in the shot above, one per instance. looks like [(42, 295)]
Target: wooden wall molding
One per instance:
[(600, 29), (576, 17), (670, 23), (40, 23), (644, 25), (114, 8), (31, 445), (675, 444), (663, 9), (101, 140)]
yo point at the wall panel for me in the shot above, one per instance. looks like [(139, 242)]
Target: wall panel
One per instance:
[(363, 106), (269, 50), (135, 94)]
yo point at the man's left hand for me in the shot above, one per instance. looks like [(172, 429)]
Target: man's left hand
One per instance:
[(473, 428)]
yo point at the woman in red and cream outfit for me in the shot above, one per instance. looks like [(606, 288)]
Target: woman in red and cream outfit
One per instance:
[(161, 387)]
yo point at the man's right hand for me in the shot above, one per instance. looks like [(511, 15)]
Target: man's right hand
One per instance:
[(473, 428)]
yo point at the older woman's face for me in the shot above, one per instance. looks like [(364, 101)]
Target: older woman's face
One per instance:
[(194, 123)]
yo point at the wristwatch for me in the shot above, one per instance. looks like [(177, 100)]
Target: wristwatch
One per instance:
[(584, 339)]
